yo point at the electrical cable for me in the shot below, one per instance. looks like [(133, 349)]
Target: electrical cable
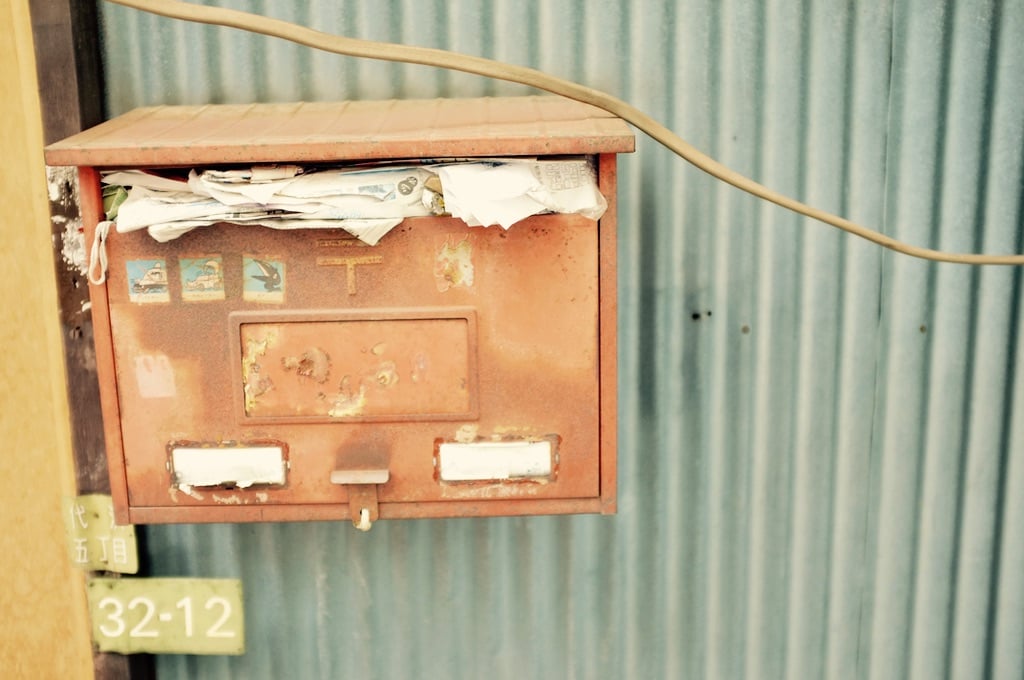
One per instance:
[(426, 56)]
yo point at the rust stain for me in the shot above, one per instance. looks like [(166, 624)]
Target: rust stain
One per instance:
[(454, 265)]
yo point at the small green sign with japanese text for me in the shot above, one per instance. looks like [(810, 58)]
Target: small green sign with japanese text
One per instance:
[(94, 541), (167, 615)]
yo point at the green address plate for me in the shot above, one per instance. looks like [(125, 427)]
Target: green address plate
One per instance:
[(167, 615)]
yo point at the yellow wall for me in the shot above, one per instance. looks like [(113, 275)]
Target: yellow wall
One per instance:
[(43, 622)]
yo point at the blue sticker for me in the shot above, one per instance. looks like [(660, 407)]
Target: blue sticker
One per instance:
[(264, 279), (147, 281), (202, 278)]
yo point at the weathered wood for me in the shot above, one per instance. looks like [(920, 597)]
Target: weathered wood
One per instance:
[(76, 324), (67, 45)]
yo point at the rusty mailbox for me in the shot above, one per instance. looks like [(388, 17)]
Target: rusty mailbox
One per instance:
[(259, 374)]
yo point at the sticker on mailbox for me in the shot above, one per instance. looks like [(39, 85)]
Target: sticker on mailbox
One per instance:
[(202, 278), (147, 281), (264, 279)]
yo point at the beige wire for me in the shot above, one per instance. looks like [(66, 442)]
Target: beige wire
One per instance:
[(355, 47)]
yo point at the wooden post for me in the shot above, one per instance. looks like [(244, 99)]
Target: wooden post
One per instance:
[(70, 75)]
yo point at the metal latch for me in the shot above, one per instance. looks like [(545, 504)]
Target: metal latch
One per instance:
[(361, 481)]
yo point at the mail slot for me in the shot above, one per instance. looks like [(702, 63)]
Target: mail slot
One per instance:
[(253, 373)]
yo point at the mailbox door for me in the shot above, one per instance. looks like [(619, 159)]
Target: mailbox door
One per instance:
[(441, 341)]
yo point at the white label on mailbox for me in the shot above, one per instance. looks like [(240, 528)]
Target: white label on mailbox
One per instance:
[(480, 461), (240, 466)]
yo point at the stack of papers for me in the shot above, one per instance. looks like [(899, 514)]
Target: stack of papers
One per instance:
[(366, 202), (505, 192)]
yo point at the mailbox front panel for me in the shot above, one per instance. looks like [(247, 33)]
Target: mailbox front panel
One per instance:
[(440, 342)]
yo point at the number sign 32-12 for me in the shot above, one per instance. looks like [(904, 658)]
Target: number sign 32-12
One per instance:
[(167, 615)]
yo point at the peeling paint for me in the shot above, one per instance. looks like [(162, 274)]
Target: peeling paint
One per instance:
[(262, 496), (488, 490), (454, 265), (467, 433), (190, 491), (62, 185), (348, 403), (314, 363), (254, 383), (227, 500), (386, 375), (53, 187), (72, 246)]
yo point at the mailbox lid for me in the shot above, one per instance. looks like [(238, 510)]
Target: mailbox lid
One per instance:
[(352, 130)]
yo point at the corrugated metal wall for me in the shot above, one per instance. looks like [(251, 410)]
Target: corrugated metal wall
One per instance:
[(821, 468)]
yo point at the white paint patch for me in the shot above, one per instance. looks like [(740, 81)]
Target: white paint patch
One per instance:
[(72, 247), (240, 466), (155, 376), (62, 188), (482, 461), (189, 491), (62, 184), (366, 476)]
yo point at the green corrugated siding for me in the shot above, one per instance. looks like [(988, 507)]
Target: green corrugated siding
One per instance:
[(819, 462)]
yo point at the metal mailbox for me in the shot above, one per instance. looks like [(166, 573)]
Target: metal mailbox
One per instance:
[(256, 374)]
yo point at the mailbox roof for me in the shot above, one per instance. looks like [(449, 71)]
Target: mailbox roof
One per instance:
[(319, 131)]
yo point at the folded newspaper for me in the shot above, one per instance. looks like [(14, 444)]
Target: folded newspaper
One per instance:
[(365, 201)]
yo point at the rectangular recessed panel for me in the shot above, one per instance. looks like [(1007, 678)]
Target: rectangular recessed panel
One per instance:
[(494, 461), (358, 368), (238, 466)]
